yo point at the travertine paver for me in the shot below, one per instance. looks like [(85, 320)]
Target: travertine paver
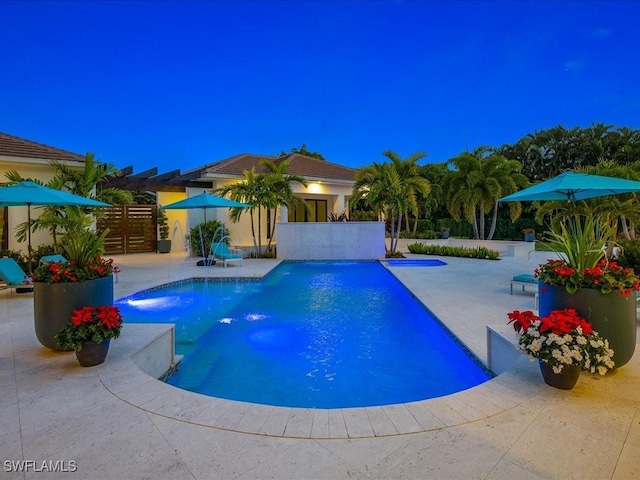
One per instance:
[(116, 422)]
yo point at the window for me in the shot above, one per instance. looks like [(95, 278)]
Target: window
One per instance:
[(318, 212)]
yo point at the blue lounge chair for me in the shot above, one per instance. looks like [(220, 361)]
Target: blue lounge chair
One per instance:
[(13, 276), (524, 279), (220, 250), (52, 258)]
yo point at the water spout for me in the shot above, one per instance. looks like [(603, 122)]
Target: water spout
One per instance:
[(178, 228)]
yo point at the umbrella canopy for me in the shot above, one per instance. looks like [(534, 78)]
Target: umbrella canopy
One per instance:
[(574, 186), (204, 200), (30, 193)]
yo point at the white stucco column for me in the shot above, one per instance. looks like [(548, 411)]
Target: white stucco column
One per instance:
[(284, 214)]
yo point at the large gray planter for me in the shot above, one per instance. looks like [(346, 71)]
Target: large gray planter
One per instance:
[(53, 304), (613, 315)]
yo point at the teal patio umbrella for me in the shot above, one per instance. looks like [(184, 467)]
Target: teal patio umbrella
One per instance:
[(30, 193), (204, 200), (574, 186)]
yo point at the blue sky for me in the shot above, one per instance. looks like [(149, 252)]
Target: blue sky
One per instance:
[(184, 84)]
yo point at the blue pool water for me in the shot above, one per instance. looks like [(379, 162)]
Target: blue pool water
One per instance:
[(319, 335), (419, 262)]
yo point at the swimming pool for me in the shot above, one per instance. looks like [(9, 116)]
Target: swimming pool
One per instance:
[(416, 262), (313, 334)]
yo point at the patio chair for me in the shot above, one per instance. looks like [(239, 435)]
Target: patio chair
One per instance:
[(13, 276), (220, 250), (52, 258), (523, 279)]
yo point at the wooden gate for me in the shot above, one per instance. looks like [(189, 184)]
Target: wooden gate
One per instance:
[(132, 229)]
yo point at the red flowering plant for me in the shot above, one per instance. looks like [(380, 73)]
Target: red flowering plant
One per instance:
[(581, 244), (82, 248), (90, 324), (61, 272), (562, 338), (606, 276)]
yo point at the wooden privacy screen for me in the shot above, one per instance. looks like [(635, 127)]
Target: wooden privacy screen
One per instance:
[(132, 229)]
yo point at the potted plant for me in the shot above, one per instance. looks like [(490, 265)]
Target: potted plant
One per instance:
[(59, 288), (564, 343), (90, 332), (164, 244), (584, 279), (444, 232), (529, 234)]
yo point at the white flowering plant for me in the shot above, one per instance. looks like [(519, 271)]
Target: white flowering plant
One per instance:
[(562, 338)]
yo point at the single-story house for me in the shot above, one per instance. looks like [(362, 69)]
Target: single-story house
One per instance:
[(31, 160), (329, 186)]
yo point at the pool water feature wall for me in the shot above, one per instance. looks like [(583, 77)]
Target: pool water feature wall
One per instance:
[(310, 334)]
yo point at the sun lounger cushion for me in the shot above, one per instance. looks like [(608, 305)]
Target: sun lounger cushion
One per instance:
[(523, 279), (52, 258), (11, 273)]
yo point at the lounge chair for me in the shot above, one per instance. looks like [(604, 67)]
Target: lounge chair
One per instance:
[(220, 250), (52, 258), (524, 279), (13, 276)]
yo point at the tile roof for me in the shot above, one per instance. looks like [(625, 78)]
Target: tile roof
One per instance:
[(300, 165), (19, 147)]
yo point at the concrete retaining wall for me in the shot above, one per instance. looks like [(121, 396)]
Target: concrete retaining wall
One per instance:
[(331, 241)]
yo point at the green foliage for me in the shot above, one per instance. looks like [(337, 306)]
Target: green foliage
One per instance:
[(424, 235), (69, 272), (630, 254), (424, 225), (580, 240), (547, 153), (202, 234), (450, 251), (90, 324), (303, 151), (81, 246), (163, 225), (606, 277)]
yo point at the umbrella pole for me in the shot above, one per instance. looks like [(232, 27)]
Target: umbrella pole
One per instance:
[(29, 236)]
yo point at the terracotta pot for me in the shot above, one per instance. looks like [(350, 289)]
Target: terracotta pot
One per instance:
[(565, 380), (93, 354), (53, 304), (613, 315)]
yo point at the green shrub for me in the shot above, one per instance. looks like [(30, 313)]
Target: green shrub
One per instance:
[(447, 251), (630, 255), (202, 234), (426, 235)]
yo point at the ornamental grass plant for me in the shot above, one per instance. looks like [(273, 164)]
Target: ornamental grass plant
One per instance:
[(562, 338), (581, 243), (83, 249)]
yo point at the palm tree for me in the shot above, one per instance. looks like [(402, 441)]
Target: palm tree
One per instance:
[(391, 190), (477, 184), (251, 190), (86, 183), (280, 185), (408, 168)]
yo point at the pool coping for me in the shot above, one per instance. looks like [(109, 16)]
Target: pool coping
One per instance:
[(126, 381)]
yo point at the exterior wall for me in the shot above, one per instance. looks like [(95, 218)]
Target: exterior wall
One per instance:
[(331, 241), (177, 220), (27, 168), (336, 195)]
